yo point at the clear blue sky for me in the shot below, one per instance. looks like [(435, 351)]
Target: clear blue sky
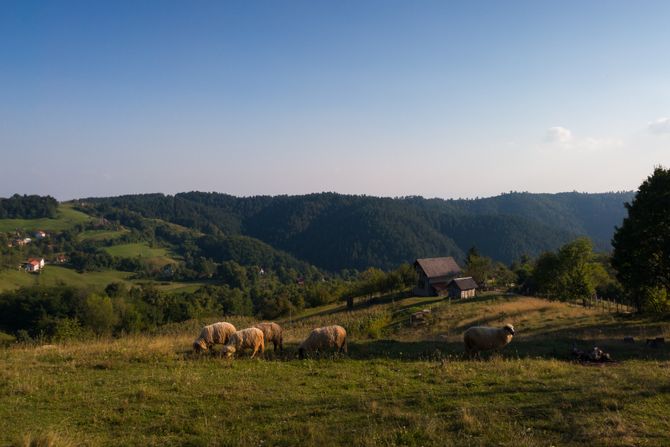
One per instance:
[(441, 99)]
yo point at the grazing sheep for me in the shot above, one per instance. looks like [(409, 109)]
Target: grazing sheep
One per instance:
[(324, 338), (272, 333), (213, 334), (250, 338), (481, 338)]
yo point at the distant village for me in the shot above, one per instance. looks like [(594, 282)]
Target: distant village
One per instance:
[(34, 264)]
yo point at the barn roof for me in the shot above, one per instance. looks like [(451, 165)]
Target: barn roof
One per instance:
[(435, 267), (466, 283)]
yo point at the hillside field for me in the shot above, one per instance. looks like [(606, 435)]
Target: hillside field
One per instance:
[(67, 218), (398, 385), (53, 275)]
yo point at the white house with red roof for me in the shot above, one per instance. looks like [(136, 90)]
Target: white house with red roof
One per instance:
[(34, 264)]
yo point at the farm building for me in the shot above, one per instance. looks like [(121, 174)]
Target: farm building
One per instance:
[(462, 287), (434, 275)]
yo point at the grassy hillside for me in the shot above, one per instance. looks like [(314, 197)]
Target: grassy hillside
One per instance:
[(67, 218), (53, 275), (101, 235), (412, 387)]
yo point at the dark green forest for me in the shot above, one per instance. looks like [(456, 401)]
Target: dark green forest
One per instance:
[(28, 207), (335, 232)]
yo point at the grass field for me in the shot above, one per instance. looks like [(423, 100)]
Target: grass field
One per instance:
[(136, 250), (67, 218), (155, 257), (411, 387), (53, 275), (101, 235)]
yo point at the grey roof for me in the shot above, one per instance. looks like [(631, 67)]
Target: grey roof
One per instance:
[(466, 283), (436, 267)]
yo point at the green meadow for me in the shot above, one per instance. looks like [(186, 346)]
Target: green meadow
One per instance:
[(67, 218), (398, 385)]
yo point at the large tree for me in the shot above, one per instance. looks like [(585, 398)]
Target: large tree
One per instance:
[(642, 244)]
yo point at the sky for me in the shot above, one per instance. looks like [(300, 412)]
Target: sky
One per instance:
[(388, 98)]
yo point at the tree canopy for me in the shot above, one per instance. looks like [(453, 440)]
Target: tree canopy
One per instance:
[(642, 244)]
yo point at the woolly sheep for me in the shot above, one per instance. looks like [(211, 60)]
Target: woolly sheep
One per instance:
[(250, 338), (481, 338), (272, 333), (324, 338), (213, 334)]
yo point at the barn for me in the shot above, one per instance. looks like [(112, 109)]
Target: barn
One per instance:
[(462, 287), (434, 275)]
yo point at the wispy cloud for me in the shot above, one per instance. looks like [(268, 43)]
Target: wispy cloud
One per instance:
[(562, 137), (559, 135), (660, 126)]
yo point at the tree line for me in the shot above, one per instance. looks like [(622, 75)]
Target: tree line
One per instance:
[(28, 207)]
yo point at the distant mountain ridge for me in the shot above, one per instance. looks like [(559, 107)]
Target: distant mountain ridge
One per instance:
[(336, 231)]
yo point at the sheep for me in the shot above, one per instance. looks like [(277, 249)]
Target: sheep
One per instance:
[(324, 338), (250, 338), (213, 334), (481, 338), (272, 333)]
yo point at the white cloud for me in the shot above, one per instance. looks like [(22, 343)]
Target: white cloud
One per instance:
[(660, 126), (563, 138), (559, 135)]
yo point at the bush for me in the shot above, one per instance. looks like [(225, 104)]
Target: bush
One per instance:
[(69, 329), (6, 339)]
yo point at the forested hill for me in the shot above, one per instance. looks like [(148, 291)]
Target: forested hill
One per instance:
[(335, 231)]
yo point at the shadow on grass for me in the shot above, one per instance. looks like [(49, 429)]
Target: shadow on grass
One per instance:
[(434, 350)]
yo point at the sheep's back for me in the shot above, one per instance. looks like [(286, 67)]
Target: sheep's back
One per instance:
[(271, 331), (246, 338), (221, 331), (325, 337)]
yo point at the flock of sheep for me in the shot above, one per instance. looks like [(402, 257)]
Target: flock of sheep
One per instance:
[(477, 339), (255, 338)]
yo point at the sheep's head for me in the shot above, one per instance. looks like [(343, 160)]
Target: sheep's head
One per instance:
[(509, 328), (200, 345), (228, 351)]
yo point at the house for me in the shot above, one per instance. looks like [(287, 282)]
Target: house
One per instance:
[(40, 234), (34, 264), (61, 258), (434, 275), (20, 242), (462, 287)]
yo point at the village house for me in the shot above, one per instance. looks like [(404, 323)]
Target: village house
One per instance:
[(34, 264), (21, 241), (434, 275), (462, 288), (40, 234)]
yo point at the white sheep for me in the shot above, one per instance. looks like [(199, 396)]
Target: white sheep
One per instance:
[(213, 334), (250, 338), (481, 338), (272, 333), (324, 338)]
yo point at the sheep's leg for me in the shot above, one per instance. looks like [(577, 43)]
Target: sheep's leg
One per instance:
[(254, 353)]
